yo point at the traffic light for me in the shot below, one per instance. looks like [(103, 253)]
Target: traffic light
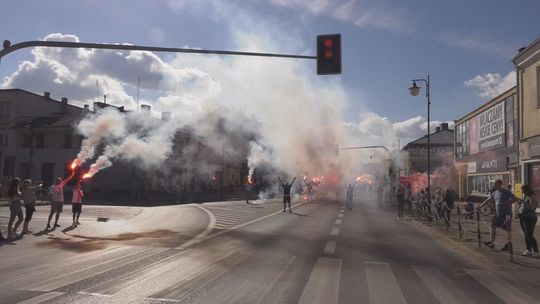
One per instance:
[(329, 54)]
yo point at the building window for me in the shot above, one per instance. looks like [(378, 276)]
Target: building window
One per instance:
[(483, 184), (67, 141), (4, 111), (40, 141), (27, 139), (538, 87), (26, 170), (534, 177), (9, 166)]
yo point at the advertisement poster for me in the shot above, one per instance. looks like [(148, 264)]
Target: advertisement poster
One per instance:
[(473, 136), (491, 133)]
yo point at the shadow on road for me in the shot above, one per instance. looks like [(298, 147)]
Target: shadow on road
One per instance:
[(83, 243)]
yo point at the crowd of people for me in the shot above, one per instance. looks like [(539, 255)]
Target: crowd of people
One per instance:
[(23, 194), (500, 200)]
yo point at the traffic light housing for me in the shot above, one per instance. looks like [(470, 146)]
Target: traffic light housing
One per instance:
[(329, 54)]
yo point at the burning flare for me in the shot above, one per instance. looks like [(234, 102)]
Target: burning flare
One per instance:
[(87, 175), (74, 164)]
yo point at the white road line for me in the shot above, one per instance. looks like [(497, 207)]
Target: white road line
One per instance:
[(500, 287), (340, 215), (81, 274), (208, 237), (382, 285), (42, 298), (441, 287), (338, 222), (281, 273), (94, 294), (323, 284), (335, 231), (228, 209), (330, 247)]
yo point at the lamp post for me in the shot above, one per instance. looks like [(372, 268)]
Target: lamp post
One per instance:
[(415, 90)]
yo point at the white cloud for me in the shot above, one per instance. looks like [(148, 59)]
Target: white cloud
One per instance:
[(73, 73), (479, 43), (492, 84)]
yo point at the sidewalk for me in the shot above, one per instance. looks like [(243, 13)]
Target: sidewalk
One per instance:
[(468, 241)]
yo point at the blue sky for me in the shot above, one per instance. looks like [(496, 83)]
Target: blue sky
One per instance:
[(466, 46)]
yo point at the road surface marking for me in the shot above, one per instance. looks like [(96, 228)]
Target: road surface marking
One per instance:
[(92, 270), (382, 285), (335, 231), (340, 215), (34, 272), (338, 222), (42, 298), (441, 287), (274, 281), (209, 237), (94, 294), (228, 209), (199, 277), (330, 247), (323, 283), (500, 287)]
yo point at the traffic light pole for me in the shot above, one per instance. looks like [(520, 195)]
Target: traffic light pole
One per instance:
[(8, 48)]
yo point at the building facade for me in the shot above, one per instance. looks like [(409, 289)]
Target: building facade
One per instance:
[(441, 154), (486, 146), (36, 135), (527, 63), (38, 141)]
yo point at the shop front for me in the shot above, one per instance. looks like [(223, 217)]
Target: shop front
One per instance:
[(483, 171), (531, 166)]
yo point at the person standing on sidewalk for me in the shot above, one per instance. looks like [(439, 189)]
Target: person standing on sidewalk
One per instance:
[(502, 200), (286, 193), (76, 204), (57, 199), (449, 198), (527, 220), (400, 197), (350, 195), (29, 198), (15, 207)]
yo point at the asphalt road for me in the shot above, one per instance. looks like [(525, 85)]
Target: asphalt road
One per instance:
[(239, 253)]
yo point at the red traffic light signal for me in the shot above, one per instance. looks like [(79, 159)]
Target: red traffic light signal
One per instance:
[(329, 54)]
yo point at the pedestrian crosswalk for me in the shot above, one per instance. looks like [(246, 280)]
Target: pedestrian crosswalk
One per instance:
[(228, 217), (202, 276)]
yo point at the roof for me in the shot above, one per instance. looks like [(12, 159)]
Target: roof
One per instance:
[(525, 52), (438, 138), (38, 95)]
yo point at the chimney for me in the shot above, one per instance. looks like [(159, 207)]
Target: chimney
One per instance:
[(146, 109), (86, 107), (444, 126), (47, 95), (166, 116), (437, 129), (64, 100)]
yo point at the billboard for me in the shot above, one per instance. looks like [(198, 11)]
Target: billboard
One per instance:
[(491, 128)]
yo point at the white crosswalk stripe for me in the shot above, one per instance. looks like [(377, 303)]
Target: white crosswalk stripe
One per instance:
[(441, 287), (229, 218), (42, 298), (323, 284), (382, 285), (501, 288)]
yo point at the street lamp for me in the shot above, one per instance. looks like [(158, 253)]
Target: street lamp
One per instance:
[(415, 90)]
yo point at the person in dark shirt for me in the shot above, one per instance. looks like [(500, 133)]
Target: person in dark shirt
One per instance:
[(286, 193)]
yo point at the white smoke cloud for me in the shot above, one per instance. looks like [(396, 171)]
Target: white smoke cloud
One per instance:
[(492, 84)]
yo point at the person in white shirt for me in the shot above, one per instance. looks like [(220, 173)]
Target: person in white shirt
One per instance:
[(57, 199), (76, 203)]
